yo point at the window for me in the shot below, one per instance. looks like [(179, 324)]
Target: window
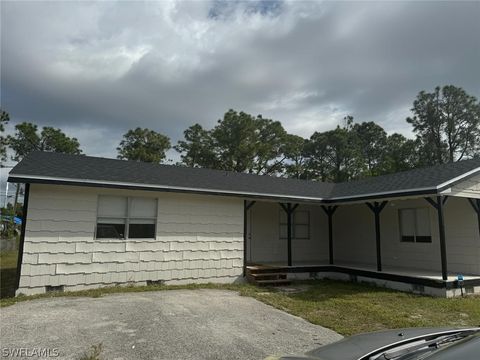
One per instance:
[(122, 217), (414, 225), (300, 225)]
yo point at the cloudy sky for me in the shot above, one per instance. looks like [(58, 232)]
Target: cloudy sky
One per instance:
[(97, 69)]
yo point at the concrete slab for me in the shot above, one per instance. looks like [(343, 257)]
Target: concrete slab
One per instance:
[(180, 324)]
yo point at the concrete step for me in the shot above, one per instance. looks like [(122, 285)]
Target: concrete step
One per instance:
[(258, 275), (272, 282)]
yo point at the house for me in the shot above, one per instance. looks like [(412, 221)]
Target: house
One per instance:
[(92, 222)]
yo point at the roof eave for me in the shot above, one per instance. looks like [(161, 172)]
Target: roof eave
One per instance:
[(416, 192), (151, 187)]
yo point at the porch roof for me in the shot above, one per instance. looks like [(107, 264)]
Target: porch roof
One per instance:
[(48, 167)]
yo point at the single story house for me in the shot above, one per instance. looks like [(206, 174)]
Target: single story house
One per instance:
[(92, 222)]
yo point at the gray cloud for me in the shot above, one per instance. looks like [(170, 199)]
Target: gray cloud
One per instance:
[(98, 69)]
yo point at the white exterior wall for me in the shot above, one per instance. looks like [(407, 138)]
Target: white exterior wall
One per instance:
[(468, 188), (265, 244), (462, 237), (199, 239), (354, 237)]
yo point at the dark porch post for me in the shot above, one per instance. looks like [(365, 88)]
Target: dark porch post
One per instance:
[(377, 208), (476, 206), (441, 231), (22, 234), (246, 206), (289, 209), (329, 210)]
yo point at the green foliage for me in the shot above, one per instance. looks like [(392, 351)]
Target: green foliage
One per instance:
[(239, 142), (343, 153), (372, 142), (27, 139), (357, 150), (8, 273), (295, 150), (94, 353), (4, 119), (400, 154), (447, 124), (243, 143), (197, 148), (143, 145)]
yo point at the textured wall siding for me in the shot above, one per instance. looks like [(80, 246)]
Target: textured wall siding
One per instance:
[(199, 239), (266, 245), (468, 188), (355, 237)]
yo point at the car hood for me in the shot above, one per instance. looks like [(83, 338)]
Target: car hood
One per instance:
[(357, 346)]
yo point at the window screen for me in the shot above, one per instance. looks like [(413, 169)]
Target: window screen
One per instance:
[(300, 225), (407, 224), (122, 217), (301, 228), (415, 225), (142, 218), (112, 217)]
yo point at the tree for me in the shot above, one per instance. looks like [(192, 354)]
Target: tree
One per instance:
[(234, 141), (317, 153), (4, 119), (197, 148), (335, 155), (143, 145), (371, 140), (271, 145), (239, 142), (27, 139), (447, 125), (400, 154), (296, 154)]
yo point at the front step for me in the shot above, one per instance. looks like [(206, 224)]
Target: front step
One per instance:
[(276, 282), (266, 276)]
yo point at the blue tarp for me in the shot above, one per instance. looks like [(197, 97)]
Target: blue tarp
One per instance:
[(16, 219)]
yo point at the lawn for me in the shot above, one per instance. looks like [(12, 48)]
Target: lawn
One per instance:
[(8, 268), (350, 308), (347, 308)]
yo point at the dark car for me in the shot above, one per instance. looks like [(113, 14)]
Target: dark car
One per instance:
[(402, 344)]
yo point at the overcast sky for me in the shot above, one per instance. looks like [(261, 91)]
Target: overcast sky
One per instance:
[(97, 69)]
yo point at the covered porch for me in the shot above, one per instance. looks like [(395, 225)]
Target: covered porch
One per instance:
[(417, 243)]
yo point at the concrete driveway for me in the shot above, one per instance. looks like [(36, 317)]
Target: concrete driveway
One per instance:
[(176, 324)]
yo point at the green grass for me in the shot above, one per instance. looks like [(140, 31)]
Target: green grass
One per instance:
[(345, 307), (350, 308), (243, 289), (94, 353), (8, 269)]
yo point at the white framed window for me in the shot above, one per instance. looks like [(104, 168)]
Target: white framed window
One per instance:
[(121, 217), (300, 225), (414, 225)]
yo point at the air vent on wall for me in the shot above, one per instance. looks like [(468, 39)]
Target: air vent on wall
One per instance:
[(58, 288)]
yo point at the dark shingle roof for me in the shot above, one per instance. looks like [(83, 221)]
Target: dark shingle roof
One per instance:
[(86, 168), (417, 179), (45, 166)]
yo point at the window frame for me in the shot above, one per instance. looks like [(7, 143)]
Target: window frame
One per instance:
[(415, 227), (127, 217), (294, 225)]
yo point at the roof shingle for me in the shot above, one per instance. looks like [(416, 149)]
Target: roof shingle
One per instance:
[(48, 166)]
